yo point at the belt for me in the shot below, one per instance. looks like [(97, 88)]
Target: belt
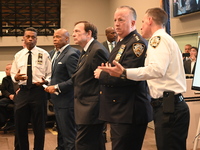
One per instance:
[(158, 101), (25, 86)]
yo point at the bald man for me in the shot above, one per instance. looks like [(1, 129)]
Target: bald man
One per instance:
[(64, 61), (111, 35)]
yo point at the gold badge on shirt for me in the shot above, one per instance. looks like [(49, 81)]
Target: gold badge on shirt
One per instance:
[(138, 49), (119, 54), (154, 42), (40, 58)]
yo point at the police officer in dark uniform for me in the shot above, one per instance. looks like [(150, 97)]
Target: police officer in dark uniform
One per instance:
[(125, 104)]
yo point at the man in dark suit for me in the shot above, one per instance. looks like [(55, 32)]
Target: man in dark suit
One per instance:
[(8, 89), (111, 36), (125, 104), (63, 66), (86, 88), (190, 64)]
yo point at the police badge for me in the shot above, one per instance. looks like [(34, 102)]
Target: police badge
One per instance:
[(154, 42), (40, 58), (138, 49)]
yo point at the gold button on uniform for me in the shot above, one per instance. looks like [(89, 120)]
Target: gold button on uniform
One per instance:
[(114, 101), (101, 92)]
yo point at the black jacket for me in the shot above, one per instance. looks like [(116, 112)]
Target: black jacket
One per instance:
[(123, 100)]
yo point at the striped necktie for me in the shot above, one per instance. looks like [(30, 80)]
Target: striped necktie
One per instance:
[(57, 54)]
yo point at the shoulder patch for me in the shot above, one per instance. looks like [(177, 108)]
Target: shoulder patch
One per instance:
[(138, 49), (154, 42)]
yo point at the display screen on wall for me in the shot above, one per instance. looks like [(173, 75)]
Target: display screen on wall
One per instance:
[(196, 79), (183, 7)]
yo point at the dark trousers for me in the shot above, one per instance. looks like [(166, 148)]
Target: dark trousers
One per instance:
[(127, 136), (66, 128), (90, 137), (30, 105), (171, 129)]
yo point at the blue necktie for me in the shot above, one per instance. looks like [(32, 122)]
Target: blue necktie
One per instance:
[(57, 54)]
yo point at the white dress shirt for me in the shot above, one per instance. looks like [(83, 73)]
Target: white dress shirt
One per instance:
[(163, 67), (41, 64), (88, 44)]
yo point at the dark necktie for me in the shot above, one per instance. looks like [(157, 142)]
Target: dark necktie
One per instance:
[(82, 55), (29, 70)]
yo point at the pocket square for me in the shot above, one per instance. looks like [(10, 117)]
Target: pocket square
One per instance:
[(59, 62)]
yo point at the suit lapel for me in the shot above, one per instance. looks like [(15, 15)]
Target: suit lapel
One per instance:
[(84, 57), (107, 47), (60, 58), (193, 68), (51, 53)]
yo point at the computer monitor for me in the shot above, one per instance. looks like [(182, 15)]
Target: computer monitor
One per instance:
[(196, 79)]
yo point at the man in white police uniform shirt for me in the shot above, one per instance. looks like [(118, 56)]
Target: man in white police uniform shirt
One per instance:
[(29, 63), (165, 75)]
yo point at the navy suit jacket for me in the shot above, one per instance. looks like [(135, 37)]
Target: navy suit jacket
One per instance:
[(62, 71), (86, 87), (123, 100)]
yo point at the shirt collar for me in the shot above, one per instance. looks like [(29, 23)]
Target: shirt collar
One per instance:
[(32, 50), (111, 42), (88, 44), (63, 48)]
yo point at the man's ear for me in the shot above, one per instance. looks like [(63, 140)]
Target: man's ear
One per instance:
[(150, 19), (133, 23), (89, 33)]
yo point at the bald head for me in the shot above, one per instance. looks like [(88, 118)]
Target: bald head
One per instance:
[(60, 38), (111, 34), (62, 31)]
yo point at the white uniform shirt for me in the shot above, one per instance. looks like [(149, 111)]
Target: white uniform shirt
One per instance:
[(41, 64), (163, 66)]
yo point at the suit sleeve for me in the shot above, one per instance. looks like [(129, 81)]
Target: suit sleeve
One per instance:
[(71, 66), (4, 90), (100, 57)]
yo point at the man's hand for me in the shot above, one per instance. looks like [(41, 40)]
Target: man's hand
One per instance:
[(50, 89), (97, 73), (42, 82), (115, 71), (11, 96), (19, 76)]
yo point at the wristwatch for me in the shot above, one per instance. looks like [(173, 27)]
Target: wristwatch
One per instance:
[(123, 75)]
